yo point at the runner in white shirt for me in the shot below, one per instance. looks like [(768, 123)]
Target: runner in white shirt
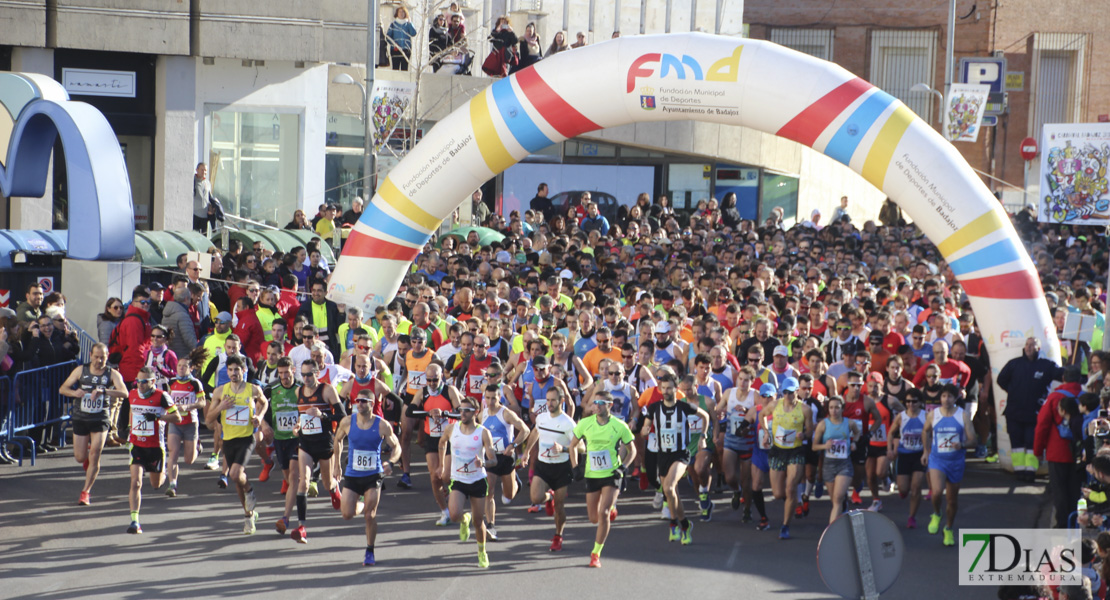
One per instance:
[(556, 461)]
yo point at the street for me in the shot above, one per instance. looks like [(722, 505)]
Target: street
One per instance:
[(193, 546)]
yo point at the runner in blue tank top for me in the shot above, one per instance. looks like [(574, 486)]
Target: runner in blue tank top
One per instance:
[(947, 433), (905, 433), (366, 433)]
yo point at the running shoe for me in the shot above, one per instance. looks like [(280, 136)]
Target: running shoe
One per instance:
[(505, 500), (737, 498), (688, 535), (805, 506), (764, 524), (336, 500), (171, 490), (491, 532), (747, 516), (644, 483), (981, 451), (819, 491), (991, 459), (876, 506), (464, 527), (855, 498), (483, 559), (282, 525), (251, 501), (911, 523), (368, 561), (934, 524), (84, 499), (674, 534), (707, 513), (284, 487), (264, 476), (612, 514), (406, 482), (703, 500), (444, 521), (249, 523), (784, 532), (222, 482), (949, 537), (556, 543), (313, 489), (535, 508), (657, 501), (595, 561), (666, 513), (798, 511), (135, 527), (213, 463), (299, 535), (891, 486), (549, 505)]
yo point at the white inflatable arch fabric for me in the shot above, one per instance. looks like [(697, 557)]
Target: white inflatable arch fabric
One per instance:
[(717, 79)]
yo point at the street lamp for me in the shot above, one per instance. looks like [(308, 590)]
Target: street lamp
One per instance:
[(368, 161), (923, 87)]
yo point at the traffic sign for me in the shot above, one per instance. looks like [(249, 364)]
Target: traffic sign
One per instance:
[(860, 555), (987, 70), (989, 121), (1029, 148)]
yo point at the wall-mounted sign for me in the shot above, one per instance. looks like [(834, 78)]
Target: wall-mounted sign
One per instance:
[(95, 82)]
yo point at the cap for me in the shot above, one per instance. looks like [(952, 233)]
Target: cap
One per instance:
[(539, 361), (790, 384), (7, 312), (224, 317), (503, 256), (791, 289), (875, 376), (535, 320), (154, 286), (781, 351), (768, 390), (875, 335), (662, 327), (566, 274)]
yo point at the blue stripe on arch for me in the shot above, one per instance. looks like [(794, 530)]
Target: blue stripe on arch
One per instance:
[(520, 124), (998, 253), (846, 139), (379, 220)]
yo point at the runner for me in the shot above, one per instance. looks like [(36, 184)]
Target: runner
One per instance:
[(319, 410), (500, 422), (362, 480), (947, 433), (704, 392), (466, 470), (879, 452), (277, 429), (434, 403), (905, 437), (416, 363), (791, 422), (737, 438), (93, 386), (836, 436), (670, 419), (238, 407), (555, 463), (187, 394), (142, 410), (605, 437), (860, 408)]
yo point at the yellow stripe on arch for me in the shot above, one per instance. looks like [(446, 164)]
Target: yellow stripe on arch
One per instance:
[(394, 197), (882, 150), (493, 150), (982, 226)]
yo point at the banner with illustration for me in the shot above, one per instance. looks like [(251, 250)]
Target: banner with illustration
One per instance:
[(389, 100), (1073, 174), (963, 112)]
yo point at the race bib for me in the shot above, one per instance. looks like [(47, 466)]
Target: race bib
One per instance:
[(435, 426), (311, 425), (287, 421), (90, 405), (601, 460), (477, 384), (417, 379), (140, 426), (181, 398), (911, 441), (735, 420), (785, 438), (668, 439), (366, 460), (548, 451), (879, 435), (463, 465), (498, 444), (695, 424), (764, 440), (238, 416), (838, 449), (653, 442), (948, 443)]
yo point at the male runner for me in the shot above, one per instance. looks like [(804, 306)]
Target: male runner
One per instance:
[(670, 420), (93, 386), (238, 406), (187, 394), (556, 461), (500, 421), (469, 443), (436, 400), (790, 422), (277, 428), (142, 410), (319, 410)]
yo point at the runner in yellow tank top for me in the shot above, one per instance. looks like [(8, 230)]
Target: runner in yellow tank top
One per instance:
[(791, 424)]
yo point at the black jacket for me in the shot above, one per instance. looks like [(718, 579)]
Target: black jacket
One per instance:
[(1026, 383)]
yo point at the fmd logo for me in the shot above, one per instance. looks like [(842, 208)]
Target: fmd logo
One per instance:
[(35, 110), (725, 69)]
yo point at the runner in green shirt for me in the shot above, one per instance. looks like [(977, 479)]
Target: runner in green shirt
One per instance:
[(604, 437), (278, 426)]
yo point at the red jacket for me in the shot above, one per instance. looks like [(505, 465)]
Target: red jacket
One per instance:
[(131, 340), (287, 307), (250, 333), (1047, 438)]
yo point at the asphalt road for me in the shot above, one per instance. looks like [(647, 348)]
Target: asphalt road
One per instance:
[(193, 546)]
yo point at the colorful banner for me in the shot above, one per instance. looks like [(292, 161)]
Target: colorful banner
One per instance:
[(1073, 174), (963, 111), (389, 101)]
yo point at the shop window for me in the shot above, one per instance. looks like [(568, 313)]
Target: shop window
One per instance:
[(254, 163)]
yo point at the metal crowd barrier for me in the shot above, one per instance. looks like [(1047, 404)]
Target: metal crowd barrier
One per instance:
[(34, 402), (5, 408), (86, 341)]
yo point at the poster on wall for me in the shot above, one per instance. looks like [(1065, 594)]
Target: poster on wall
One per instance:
[(1074, 184), (963, 112), (389, 100)]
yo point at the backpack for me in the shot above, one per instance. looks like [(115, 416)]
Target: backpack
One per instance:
[(115, 352)]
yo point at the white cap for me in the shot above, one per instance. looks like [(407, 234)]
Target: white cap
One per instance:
[(781, 351), (662, 327), (566, 274)]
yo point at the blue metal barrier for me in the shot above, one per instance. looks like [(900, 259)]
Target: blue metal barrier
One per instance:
[(86, 341), (5, 409), (35, 402)]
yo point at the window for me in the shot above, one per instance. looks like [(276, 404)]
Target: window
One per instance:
[(1057, 78), (779, 191), (814, 42), (900, 59)]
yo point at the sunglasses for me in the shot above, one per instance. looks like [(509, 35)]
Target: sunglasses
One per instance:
[(363, 400), (147, 381), (466, 409), (146, 302), (855, 385), (361, 347), (158, 336), (599, 402), (307, 375)]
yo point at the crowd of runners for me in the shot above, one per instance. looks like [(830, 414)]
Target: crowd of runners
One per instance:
[(826, 362)]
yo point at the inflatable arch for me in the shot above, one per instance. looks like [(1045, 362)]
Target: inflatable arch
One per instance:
[(731, 81), (35, 111)]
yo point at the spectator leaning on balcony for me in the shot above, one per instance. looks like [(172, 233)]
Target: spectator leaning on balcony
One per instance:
[(400, 34)]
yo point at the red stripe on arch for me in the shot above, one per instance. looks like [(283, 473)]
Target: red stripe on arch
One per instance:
[(557, 112), (365, 246), (811, 122), (1019, 285)]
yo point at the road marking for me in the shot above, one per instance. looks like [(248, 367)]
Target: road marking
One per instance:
[(733, 556)]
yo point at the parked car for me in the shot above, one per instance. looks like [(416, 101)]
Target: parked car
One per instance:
[(606, 203)]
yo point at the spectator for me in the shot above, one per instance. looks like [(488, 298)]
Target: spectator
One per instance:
[(558, 44), (400, 34), (30, 309), (1058, 437), (324, 315), (249, 329), (176, 319), (107, 320), (581, 40), (355, 213), (531, 48), (298, 222), (132, 335)]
